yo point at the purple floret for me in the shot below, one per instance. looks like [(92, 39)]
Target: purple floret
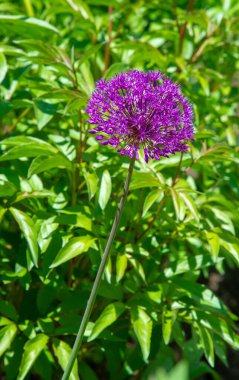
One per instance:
[(141, 110)]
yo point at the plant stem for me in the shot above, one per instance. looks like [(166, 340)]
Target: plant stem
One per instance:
[(107, 49), (98, 278), (182, 31)]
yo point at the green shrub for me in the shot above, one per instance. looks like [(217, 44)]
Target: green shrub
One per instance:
[(59, 189)]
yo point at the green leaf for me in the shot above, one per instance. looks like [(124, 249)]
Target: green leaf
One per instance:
[(19, 140), (213, 241), (41, 164), (114, 69), (82, 7), (167, 323), (219, 326), (25, 26), (27, 227), (7, 189), (179, 372), (231, 244), (74, 218), (191, 205), (105, 189), (203, 296), (76, 246), (34, 194), (2, 212), (138, 267), (32, 350), (10, 50), (207, 344), (109, 315), (140, 180), (92, 182), (7, 334), (44, 112), (26, 147), (152, 197), (7, 309), (204, 83), (220, 349), (121, 265), (87, 75), (5, 107), (176, 202), (187, 264), (62, 351), (73, 105), (142, 325), (3, 67)]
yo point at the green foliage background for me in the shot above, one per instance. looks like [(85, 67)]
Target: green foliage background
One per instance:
[(59, 190)]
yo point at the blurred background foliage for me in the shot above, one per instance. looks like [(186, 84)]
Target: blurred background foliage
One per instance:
[(168, 302)]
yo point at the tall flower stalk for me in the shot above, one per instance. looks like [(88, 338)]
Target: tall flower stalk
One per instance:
[(132, 111), (91, 301)]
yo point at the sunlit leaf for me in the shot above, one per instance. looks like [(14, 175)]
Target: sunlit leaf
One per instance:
[(76, 246), (3, 67), (121, 265), (32, 350), (152, 197), (142, 325), (167, 323), (92, 182), (207, 344), (109, 315), (28, 229), (62, 351), (105, 189), (7, 335)]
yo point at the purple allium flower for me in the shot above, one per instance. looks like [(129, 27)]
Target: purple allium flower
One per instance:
[(137, 110)]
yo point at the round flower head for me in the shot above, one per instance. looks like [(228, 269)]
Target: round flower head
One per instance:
[(141, 110)]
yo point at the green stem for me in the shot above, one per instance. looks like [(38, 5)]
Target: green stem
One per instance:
[(74, 179), (98, 278), (29, 8)]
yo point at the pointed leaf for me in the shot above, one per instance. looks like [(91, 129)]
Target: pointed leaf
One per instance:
[(176, 202), (62, 351), (105, 189), (27, 227), (207, 344), (109, 315), (167, 323), (141, 179), (214, 242), (114, 69), (138, 267), (41, 164), (7, 189), (25, 26), (7, 334), (73, 248), (121, 265), (3, 67), (186, 264), (32, 350), (92, 182), (142, 325), (191, 205), (44, 112), (152, 197), (231, 244), (28, 150)]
